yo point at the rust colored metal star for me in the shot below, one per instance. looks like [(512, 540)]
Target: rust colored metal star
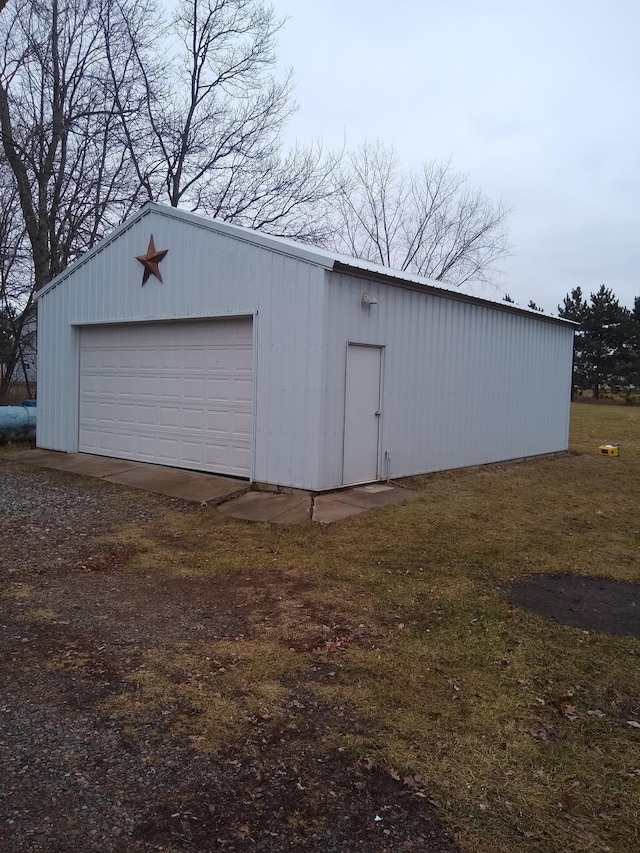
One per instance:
[(150, 261)]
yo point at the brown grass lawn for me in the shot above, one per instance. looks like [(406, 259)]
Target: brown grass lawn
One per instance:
[(516, 727)]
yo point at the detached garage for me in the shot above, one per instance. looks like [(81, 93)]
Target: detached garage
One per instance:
[(185, 341)]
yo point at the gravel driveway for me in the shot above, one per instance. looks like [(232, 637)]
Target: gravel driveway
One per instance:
[(66, 782), (76, 776)]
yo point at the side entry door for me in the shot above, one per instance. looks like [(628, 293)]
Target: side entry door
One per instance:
[(362, 414)]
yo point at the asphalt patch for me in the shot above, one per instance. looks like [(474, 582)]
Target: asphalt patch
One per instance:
[(594, 604)]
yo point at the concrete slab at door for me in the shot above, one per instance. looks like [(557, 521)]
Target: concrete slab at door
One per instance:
[(268, 507), (362, 414), (176, 483)]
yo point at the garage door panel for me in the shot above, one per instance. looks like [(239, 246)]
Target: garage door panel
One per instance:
[(192, 360), (105, 441), (106, 413), (168, 449), (146, 416), (242, 457), (243, 391), (149, 386), (219, 389), (193, 389), (142, 443), (104, 358), (125, 359), (191, 452), (218, 452), (244, 361), (170, 417), (90, 440), (176, 393), (92, 359), (192, 419), (107, 385), (126, 443), (238, 394), (126, 413), (88, 410), (170, 360), (241, 423)]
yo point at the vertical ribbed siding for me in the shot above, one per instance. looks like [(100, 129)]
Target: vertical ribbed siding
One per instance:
[(205, 274), (464, 384), (57, 379), (289, 370)]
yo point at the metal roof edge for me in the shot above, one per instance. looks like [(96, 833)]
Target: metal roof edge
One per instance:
[(239, 232), (330, 261), (124, 226), (284, 245), (422, 285)]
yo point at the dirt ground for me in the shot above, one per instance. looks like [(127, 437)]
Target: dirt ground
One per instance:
[(139, 787), (81, 773)]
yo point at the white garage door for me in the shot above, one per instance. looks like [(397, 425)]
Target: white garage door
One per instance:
[(171, 393)]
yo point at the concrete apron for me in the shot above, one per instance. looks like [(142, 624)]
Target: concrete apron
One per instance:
[(231, 497)]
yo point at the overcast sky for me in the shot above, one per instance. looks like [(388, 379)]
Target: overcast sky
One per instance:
[(537, 100)]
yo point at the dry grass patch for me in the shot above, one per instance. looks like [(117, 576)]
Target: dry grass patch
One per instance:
[(19, 591), (515, 725), (211, 693), (38, 614), (69, 661)]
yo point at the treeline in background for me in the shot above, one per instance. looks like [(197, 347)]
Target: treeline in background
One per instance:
[(606, 356)]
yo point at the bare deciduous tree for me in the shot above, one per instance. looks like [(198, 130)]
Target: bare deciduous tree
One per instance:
[(17, 310), (65, 173), (104, 106), (60, 129), (210, 134), (431, 222)]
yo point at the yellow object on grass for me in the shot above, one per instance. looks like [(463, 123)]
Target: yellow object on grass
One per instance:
[(609, 449)]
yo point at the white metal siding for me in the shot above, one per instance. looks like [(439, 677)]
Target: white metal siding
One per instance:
[(205, 275), (463, 384), (176, 394), (57, 376)]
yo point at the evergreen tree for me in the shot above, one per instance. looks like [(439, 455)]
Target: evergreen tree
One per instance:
[(633, 346), (575, 307), (601, 350)]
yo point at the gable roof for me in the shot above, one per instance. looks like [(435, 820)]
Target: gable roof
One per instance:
[(328, 260)]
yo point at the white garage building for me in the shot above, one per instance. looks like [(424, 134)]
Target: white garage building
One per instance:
[(266, 359)]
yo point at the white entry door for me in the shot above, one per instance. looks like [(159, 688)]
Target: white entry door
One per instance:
[(177, 393), (362, 414)]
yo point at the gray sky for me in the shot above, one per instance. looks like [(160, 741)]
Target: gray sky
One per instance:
[(537, 100)]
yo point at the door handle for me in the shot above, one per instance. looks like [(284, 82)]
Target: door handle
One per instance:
[(377, 414)]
